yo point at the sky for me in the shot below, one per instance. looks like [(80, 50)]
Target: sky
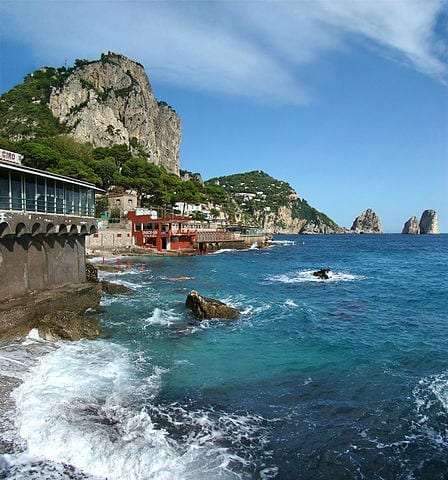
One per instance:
[(344, 99)]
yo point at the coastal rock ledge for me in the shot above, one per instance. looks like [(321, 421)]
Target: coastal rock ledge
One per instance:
[(57, 313), (206, 308), (367, 222)]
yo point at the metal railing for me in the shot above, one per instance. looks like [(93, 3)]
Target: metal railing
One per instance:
[(215, 236), (56, 206)]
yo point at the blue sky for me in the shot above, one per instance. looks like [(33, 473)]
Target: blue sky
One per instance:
[(344, 99)]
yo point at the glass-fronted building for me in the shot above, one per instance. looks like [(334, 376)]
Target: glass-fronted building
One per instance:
[(25, 189)]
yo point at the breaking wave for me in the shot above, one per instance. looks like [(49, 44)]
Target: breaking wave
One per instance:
[(85, 406)]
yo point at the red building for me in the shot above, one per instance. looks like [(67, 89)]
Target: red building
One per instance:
[(166, 233)]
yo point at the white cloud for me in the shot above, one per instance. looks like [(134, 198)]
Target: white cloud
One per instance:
[(257, 50)]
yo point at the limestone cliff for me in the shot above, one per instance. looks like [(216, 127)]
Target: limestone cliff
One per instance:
[(429, 222), (110, 101), (411, 226), (367, 222)]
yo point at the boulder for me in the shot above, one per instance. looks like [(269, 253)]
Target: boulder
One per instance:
[(367, 222), (411, 226), (429, 222), (66, 325), (115, 288), (322, 274), (91, 273), (205, 308)]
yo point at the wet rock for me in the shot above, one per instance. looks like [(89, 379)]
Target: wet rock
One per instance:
[(65, 325), (115, 288), (91, 273), (205, 308), (322, 274), (110, 268)]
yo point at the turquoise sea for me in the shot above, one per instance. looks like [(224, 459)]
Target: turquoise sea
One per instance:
[(345, 378)]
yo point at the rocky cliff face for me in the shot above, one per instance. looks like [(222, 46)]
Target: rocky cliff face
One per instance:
[(110, 102), (273, 205), (411, 226), (285, 220), (429, 222), (367, 222)]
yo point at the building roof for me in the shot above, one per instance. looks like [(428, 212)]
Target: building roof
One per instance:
[(40, 173)]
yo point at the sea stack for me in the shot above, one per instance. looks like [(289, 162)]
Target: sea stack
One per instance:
[(411, 226), (429, 223), (367, 222)]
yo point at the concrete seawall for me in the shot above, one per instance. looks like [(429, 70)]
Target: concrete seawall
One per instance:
[(42, 267)]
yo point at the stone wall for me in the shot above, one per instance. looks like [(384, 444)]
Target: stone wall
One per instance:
[(110, 239)]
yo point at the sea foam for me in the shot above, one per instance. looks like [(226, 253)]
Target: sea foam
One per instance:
[(307, 276), (84, 405)]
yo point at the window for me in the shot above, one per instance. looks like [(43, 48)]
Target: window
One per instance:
[(16, 191), (50, 196), (30, 194), (83, 193), (90, 202), (4, 190), (68, 197), (76, 199), (59, 197), (40, 190)]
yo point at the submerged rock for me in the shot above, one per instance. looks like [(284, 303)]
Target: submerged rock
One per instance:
[(411, 226), (115, 288), (322, 274), (205, 308)]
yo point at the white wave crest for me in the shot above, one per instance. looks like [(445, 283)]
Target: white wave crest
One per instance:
[(431, 398), (85, 405), (307, 276), (162, 317)]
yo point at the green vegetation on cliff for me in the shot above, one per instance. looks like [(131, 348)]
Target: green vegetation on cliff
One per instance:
[(27, 126), (24, 111), (257, 194)]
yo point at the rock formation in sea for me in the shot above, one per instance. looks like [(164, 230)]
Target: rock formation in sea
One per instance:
[(411, 226), (206, 308), (367, 222), (429, 223), (110, 101)]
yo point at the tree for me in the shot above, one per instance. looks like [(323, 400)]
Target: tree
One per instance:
[(107, 170)]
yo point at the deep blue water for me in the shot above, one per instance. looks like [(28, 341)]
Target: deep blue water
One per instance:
[(344, 378)]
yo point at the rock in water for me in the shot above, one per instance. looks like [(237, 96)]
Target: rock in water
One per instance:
[(115, 288), (429, 222), (411, 226), (204, 308), (367, 222), (65, 325), (91, 273), (322, 274)]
